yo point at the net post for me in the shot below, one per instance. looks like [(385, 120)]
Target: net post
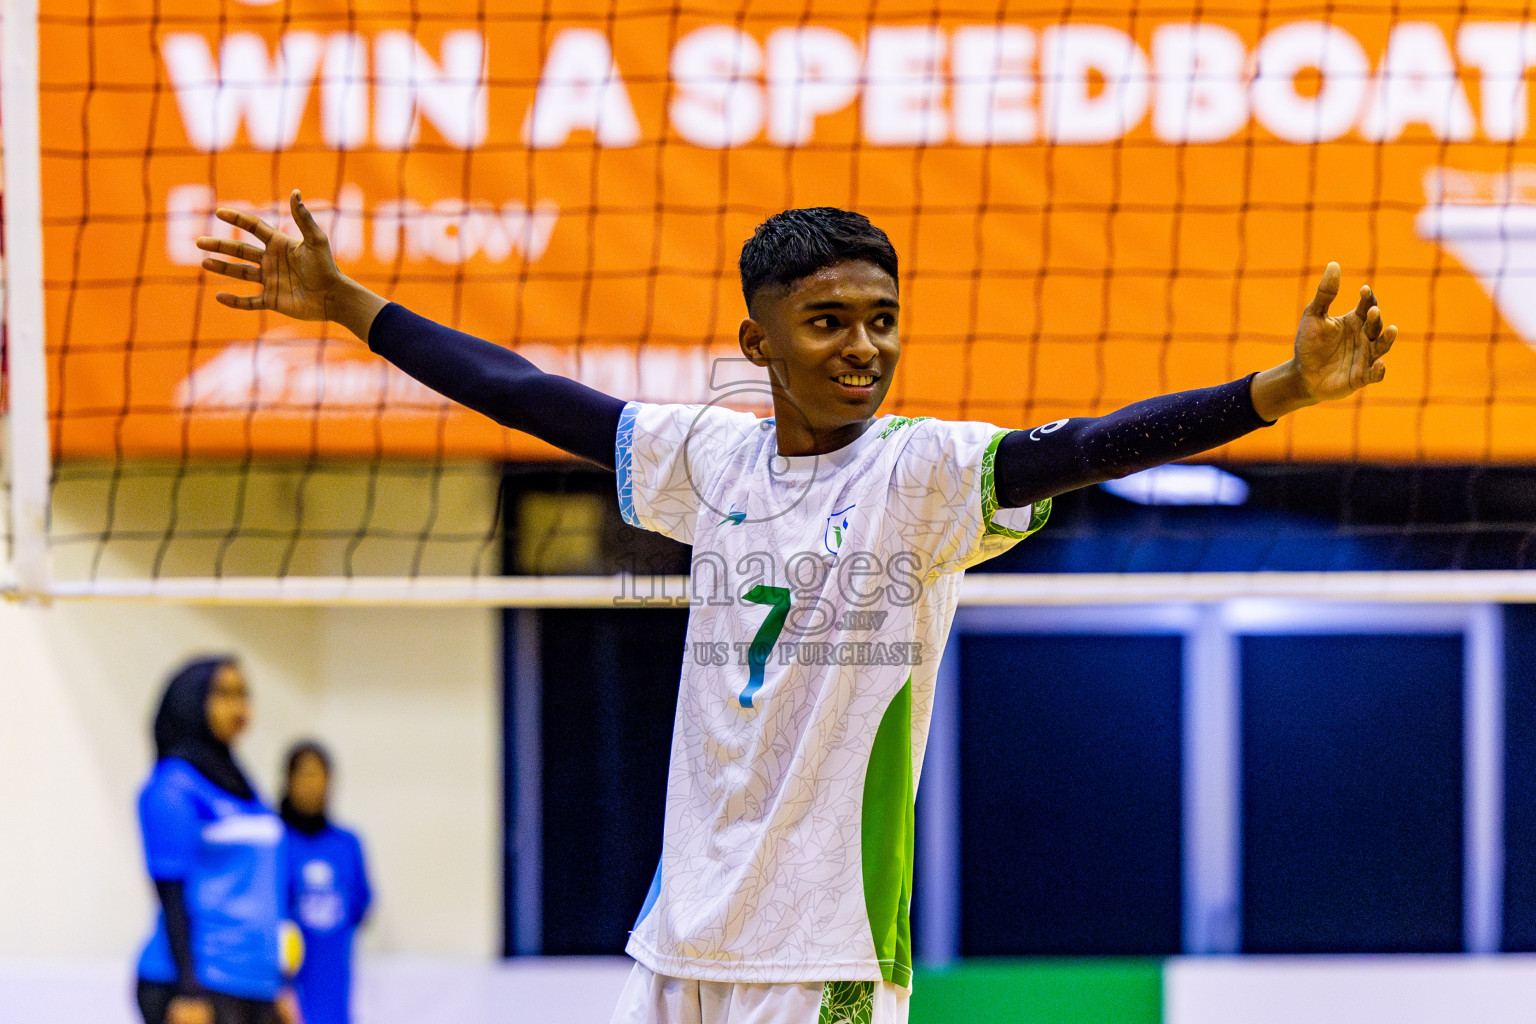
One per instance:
[(28, 434)]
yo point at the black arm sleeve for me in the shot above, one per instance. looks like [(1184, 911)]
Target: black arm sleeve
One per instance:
[(499, 383), (1063, 456), (178, 929)]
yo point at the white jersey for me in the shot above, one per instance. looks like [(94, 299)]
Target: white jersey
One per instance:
[(823, 588)]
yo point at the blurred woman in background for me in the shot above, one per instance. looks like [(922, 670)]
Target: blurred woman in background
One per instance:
[(330, 887), (215, 855)]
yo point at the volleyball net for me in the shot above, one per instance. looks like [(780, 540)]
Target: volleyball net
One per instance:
[(1092, 203)]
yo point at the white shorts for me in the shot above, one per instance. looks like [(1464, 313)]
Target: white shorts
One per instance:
[(656, 999)]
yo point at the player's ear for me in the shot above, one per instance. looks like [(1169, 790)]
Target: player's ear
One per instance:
[(751, 336)]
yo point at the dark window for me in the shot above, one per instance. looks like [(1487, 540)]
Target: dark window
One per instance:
[(1352, 794), (1070, 821), (1520, 778), (610, 692)]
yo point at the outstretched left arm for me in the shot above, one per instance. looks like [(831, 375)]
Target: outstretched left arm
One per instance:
[(1333, 358)]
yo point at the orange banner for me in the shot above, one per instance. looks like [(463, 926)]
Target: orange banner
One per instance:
[(1089, 209)]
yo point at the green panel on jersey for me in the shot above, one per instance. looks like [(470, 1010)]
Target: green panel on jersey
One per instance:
[(1039, 512), (898, 422), (1088, 991), (847, 1002), (889, 831)]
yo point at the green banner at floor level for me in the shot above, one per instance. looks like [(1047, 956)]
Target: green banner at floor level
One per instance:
[(1111, 991)]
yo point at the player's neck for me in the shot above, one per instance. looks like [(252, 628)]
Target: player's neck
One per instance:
[(795, 437)]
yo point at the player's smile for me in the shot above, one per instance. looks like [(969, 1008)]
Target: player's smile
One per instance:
[(831, 343), (857, 383)]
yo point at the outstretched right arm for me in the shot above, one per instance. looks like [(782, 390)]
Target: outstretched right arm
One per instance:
[(299, 278), (499, 383)]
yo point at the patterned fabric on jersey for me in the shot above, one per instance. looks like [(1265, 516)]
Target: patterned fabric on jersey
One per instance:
[(229, 853), (823, 588), (847, 1002)]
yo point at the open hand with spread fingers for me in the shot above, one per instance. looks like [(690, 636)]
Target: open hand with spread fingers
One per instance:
[(298, 276), (1334, 357), (1340, 355)]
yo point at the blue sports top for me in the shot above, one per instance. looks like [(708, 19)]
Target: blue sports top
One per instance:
[(329, 883), (228, 852)]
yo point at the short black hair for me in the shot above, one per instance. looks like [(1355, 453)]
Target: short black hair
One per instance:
[(797, 243)]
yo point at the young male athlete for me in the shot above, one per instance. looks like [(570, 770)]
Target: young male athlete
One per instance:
[(828, 548)]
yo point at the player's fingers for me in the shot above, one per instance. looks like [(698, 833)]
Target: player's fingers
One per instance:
[(1367, 301), (305, 220), (1327, 291), (1382, 345), (246, 222), (241, 301), (1373, 324), (227, 247), (1376, 373), (239, 271)]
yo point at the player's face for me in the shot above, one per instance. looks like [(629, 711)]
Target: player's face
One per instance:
[(229, 704), (309, 785), (831, 343)]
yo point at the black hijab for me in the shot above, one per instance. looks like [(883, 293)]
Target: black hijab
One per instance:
[(308, 824), (181, 727)]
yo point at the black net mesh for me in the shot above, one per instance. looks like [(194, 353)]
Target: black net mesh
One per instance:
[(1092, 203)]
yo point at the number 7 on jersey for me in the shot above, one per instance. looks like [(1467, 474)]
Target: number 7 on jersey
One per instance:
[(777, 600)]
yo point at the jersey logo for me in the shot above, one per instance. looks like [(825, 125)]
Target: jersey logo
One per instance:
[(319, 905), (245, 830), (837, 529), (318, 874), (1048, 428), (734, 517)]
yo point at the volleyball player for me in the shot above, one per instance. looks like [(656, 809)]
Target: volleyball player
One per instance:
[(329, 880), (834, 541), (215, 853)]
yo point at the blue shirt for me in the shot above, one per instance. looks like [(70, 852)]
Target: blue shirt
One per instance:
[(228, 853), (330, 897)]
